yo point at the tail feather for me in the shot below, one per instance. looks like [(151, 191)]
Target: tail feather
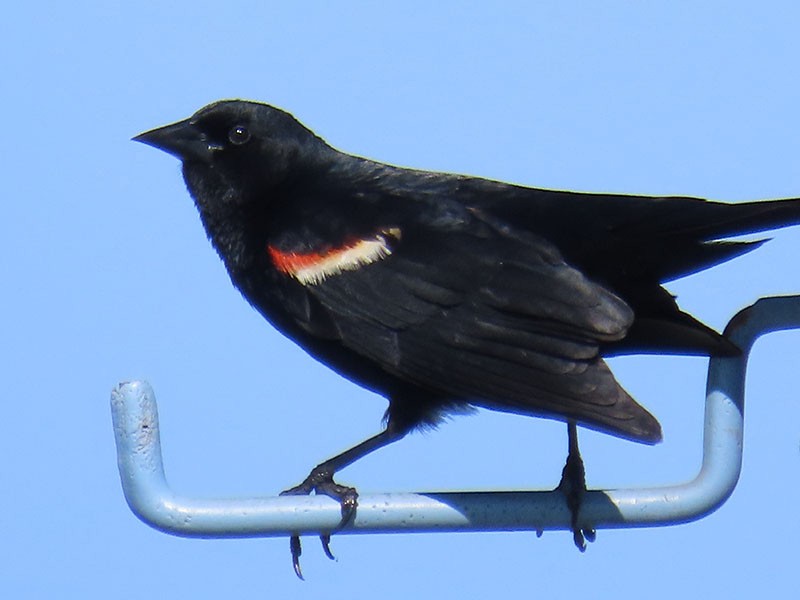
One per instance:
[(709, 221)]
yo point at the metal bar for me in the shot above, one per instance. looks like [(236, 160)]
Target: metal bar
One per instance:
[(146, 490)]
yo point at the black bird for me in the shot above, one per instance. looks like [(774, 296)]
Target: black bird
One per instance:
[(442, 291)]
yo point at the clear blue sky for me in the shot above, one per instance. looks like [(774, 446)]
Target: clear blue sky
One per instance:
[(107, 276)]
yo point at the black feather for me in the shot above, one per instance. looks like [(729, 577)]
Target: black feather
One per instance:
[(485, 293)]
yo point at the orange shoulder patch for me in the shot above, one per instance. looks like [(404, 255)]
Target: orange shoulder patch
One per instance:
[(311, 268)]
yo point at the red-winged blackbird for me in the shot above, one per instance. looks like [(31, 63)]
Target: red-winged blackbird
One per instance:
[(443, 291)]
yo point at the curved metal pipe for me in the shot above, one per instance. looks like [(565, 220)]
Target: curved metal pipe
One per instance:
[(136, 429)]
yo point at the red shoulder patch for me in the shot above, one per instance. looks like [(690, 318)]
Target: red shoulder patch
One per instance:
[(311, 268)]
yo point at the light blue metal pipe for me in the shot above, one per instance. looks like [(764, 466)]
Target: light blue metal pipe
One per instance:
[(135, 417)]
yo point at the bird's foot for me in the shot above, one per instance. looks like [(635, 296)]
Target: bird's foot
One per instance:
[(320, 481), (573, 486)]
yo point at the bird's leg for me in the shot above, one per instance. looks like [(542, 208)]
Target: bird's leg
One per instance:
[(320, 481), (573, 486)]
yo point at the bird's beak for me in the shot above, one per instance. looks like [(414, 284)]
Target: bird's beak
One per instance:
[(181, 139)]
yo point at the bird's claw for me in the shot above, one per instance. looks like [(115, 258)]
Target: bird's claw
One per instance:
[(296, 549), (582, 535), (573, 486), (574, 498), (325, 538), (320, 481)]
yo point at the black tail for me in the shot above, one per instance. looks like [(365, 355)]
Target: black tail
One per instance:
[(708, 221), (693, 238), (688, 237)]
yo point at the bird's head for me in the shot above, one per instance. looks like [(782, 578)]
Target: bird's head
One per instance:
[(236, 145)]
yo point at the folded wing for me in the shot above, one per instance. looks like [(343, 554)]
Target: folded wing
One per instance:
[(493, 317)]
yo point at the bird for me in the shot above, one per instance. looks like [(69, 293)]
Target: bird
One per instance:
[(444, 292)]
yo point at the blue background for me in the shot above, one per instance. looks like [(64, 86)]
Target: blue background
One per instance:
[(107, 275)]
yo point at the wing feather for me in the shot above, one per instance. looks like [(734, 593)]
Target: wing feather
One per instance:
[(498, 320)]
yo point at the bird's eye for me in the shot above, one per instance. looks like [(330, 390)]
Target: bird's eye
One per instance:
[(239, 135)]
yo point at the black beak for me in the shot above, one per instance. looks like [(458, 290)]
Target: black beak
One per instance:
[(181, 139)]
